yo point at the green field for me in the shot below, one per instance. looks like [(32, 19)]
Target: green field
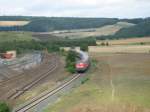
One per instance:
[(118, 83), (19, 36)]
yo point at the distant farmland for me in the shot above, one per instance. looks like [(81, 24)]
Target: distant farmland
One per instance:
[(130, 41), (120, 49), (82, 33), (13, 23)]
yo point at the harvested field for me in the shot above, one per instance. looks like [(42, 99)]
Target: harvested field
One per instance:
[(13, 23), (129, 75), (129, 41), (120, 49)]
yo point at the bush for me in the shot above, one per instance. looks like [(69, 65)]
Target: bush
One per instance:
[(142, 43), (71, 69), (4, 107)]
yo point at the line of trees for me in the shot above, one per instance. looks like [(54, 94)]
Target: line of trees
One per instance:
[(52, 45)]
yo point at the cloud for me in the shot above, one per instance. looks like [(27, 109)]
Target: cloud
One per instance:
[(77, 8)]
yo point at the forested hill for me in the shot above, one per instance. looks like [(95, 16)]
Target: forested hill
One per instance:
[(141, 29), (44, 24), (67, 23)]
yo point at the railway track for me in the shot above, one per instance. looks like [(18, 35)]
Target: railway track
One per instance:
[(45, 96), (15, 77), (29, 85), (18, 77)]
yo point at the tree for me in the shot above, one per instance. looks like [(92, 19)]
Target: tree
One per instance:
[(107, 44), (71, 56), (70, 61), (84, 47), (4, 107)]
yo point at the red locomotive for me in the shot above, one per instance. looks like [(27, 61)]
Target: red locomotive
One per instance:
[(83, 63)]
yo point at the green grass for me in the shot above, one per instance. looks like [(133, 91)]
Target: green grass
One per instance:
[(18, 36)]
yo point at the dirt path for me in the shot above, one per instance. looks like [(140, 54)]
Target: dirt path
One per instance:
[(112, 85), (112, 90), (106, 72)]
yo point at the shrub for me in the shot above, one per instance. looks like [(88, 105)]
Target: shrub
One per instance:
[(4, 107), (71, 69)]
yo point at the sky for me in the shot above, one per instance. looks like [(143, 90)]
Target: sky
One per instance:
[(77, 8)]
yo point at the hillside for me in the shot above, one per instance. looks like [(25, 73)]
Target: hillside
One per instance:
[(51, 24), (46, 24), (141, 29), (79, 27), (91, 32)]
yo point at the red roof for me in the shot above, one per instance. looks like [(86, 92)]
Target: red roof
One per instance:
[(7, 56)]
